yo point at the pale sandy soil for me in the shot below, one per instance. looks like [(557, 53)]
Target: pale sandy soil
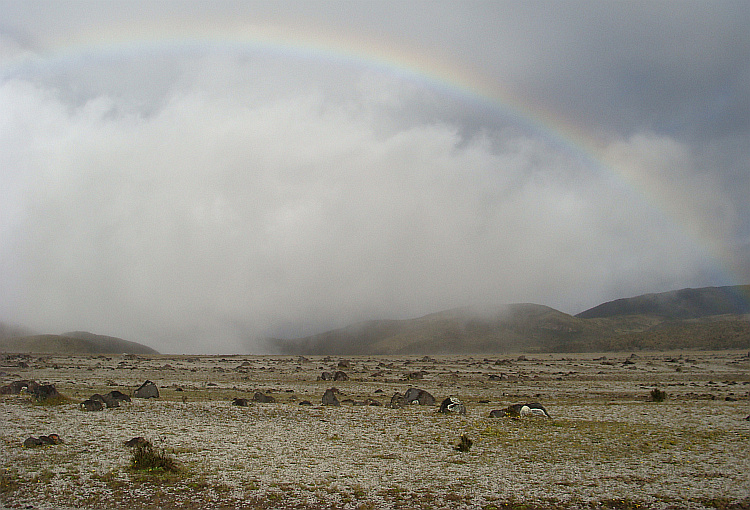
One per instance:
[(607, 446)]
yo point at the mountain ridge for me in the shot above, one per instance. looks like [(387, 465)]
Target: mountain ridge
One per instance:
[(709, 317)]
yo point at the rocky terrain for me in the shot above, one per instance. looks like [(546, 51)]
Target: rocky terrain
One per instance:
[(236, 429)]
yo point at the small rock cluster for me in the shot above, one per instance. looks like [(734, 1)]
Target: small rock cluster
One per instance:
[(33, 442), (39, 391), (517, 411), (96, 402)]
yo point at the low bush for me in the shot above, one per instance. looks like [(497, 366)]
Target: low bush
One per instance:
[(146, 457), (658, 395)]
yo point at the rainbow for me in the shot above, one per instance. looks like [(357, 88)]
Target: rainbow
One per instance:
[(448, 77)]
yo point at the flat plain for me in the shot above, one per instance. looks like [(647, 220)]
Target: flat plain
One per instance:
[(608, 444)]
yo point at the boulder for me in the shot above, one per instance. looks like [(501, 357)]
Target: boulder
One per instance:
[(136, 441), (32, 442), (147, 390), (452, 405), (16, 387), (44, 392), (326, 376), (263, 398), (50, 439), (397, 401), (242, 402), (417, 396), (340, 376), (329, 397), (92, 405), (520, 410), (120, 396)]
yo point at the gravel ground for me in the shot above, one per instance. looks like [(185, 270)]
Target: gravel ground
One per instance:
[(607, 446)]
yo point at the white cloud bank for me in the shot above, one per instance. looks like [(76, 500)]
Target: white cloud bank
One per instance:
[(217, 218)]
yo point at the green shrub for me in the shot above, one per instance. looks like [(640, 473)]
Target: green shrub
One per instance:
[(148, 458), (658, 395), (465, 444)]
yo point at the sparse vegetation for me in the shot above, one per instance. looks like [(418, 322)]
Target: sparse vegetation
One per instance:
[(606, 443), (464, 445), (147, 457), (658, 395)]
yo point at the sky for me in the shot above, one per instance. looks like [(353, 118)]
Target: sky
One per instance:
[(199, 176)]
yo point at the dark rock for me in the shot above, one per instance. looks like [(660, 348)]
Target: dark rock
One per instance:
[(32, 442), (305, 403), (519, 410), (345, 363), (414, 375), (242, 402), (340, 376), (44, 392), (397, 401), (50, 439), (329, 397), (118, 395), (263, 398), (16, 387), (372, 402), (136, 441), (452, 405), (326, 376), (147, 390), (417, 396), (92, 405)]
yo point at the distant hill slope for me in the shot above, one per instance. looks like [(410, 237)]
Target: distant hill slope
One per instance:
[(678, 304), (78, 342), (710, 318)]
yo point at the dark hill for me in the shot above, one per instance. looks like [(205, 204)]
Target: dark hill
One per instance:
[(709, 318), (678, 304), (464, 330), (78, 342)]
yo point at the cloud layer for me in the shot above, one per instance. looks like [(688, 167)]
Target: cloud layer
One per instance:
[(204, 202)]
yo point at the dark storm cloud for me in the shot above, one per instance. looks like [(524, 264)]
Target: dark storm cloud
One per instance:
[(195, 197)]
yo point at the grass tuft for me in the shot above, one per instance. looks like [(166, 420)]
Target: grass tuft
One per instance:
[(658, 395), (148, 458)]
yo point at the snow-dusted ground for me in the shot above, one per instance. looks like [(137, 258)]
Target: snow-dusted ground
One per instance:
[(607, 445)]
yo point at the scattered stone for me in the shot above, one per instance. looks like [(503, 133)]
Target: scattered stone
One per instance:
[(415, 375), (326, 376), (16, 387), (50, 439), (372, 402), (136, 441), (534, 409), (32, 442), (340, 376), (417, 396), (242, 402), (92, 405), (305, 403), (329, 397), (452, 405), (345, 363), (263, 398), (147, 390), (519, 410), (118, 395), (397, 401), (42, 392)]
